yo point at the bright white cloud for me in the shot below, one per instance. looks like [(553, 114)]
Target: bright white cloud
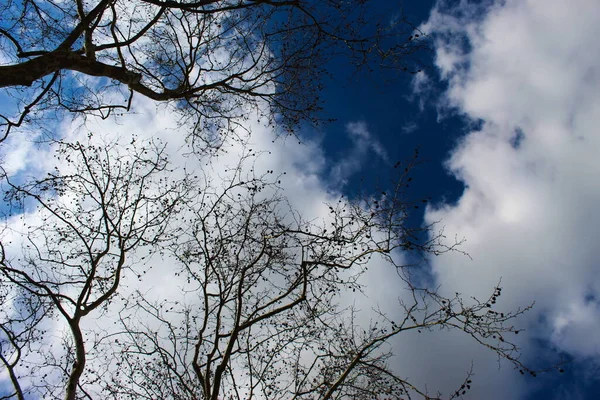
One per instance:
[(528, 210)]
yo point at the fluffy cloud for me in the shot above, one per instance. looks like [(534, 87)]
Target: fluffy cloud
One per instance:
[(525, 71), (530, 172)]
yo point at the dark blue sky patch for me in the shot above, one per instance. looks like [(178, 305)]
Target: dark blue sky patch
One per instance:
[(517, 138), (385, 103), (579, 381)]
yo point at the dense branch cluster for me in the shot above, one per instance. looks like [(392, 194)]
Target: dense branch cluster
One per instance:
[(73, 251), (257, 311), (209, 58)]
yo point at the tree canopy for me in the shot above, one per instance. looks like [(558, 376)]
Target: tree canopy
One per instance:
[(211, 58), (257, 312)]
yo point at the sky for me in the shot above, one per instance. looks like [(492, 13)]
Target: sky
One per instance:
[(506, 120), (505, 117)]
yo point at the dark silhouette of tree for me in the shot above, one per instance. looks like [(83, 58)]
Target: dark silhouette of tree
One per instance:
[(209, 58), (76, 248), (257, 313)]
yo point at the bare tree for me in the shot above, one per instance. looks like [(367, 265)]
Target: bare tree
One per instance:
[(260, 313), (207, 57), (261, 309), (81, 234), (22, 316)]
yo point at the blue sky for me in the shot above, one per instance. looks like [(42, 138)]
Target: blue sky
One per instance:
[(398, 119), (505, 118)]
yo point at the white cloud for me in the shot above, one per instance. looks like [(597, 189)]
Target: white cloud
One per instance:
[(528, 211), (363, 143), (409, 127)]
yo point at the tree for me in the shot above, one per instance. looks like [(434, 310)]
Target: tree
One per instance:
[(206, 57), (76, 247), (257, 312)]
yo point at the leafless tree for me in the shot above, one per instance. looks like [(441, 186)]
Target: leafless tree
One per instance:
[(261, 309), (64, 263), (21, 316), (260, 313), (206, 57)]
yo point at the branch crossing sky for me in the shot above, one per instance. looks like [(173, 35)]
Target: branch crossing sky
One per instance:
[(507, 124), (505, 116)]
